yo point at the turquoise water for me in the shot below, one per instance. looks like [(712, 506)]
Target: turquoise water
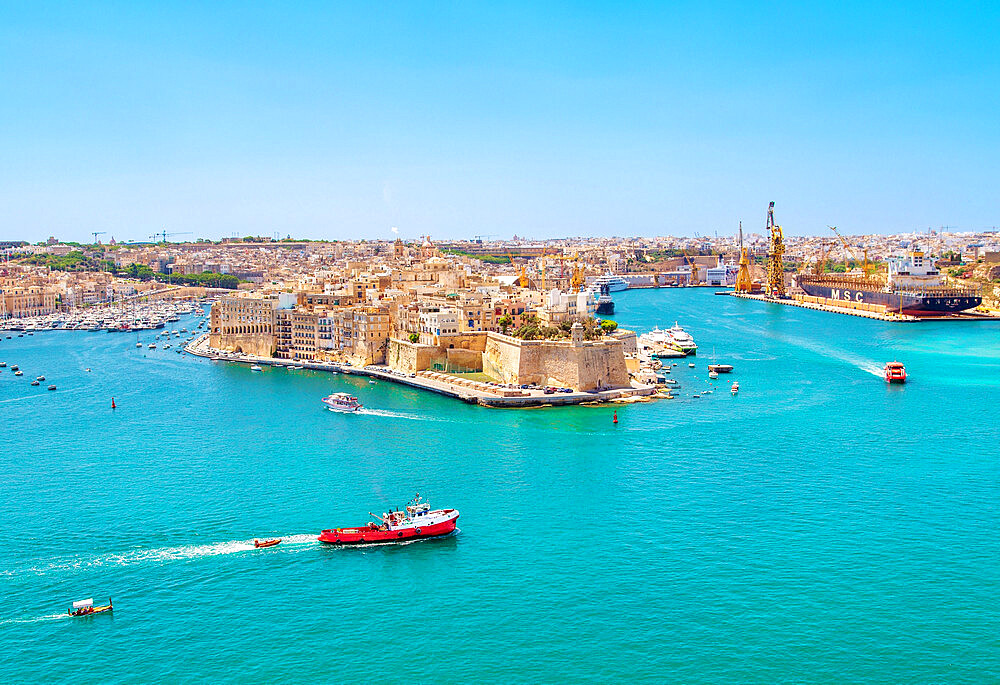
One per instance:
[(819, 526)]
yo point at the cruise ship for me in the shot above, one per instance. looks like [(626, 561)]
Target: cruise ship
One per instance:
[(912, 285), (614, 283)]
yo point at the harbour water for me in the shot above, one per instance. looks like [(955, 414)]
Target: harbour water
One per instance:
[(818, 526)]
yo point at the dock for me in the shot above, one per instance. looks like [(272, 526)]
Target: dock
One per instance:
[(872, 313), (466, 390)]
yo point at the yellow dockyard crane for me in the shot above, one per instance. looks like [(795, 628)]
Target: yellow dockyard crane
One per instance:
[(775, 283), (866, 266), (522, 279), (744, 284), (577, 280)]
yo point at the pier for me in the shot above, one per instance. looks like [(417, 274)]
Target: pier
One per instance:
[(470, 391), (880, 314)]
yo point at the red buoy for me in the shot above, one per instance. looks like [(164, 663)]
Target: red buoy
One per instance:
[(615, 420), (112, 402)]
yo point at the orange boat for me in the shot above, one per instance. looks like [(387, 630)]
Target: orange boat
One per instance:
[(894, 373), (266, 543), (85, 607)]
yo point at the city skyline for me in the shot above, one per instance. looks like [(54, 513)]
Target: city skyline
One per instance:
[(540, 121)]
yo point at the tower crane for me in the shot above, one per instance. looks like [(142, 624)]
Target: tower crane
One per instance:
[(95, 234), (164, 234)]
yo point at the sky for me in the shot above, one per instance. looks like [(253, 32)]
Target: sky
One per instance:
[(342, 120)]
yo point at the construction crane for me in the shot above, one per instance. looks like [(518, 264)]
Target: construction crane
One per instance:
[(774, 285), (95, 234), (164, 234)]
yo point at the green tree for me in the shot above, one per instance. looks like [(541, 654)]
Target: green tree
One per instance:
[(609, 326), (414, 337), (505, 322)]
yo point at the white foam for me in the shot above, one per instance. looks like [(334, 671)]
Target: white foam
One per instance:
[(135, 557)]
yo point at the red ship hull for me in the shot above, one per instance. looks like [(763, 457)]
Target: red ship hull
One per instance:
[(367, 535)]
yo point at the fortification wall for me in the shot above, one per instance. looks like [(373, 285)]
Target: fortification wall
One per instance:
[(583, 366), (402, 355)]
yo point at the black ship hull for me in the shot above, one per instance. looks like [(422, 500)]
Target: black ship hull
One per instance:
[(606, 308), (912, 303)]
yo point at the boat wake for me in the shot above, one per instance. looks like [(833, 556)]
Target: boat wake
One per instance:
[(135, 557), (396, 415), (35, 619)]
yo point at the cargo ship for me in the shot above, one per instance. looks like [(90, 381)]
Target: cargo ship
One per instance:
[(912, 285)]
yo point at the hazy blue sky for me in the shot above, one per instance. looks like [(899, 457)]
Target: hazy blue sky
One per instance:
[(340, 120)]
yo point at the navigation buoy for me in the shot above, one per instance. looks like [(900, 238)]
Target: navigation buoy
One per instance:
[(112, 402), (615, 420)]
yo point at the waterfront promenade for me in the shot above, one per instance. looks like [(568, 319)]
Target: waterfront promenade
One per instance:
[(471, 391)]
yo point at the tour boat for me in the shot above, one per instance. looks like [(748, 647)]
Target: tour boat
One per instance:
[(341, 401), (894, 373), (416, 522), (266, 543), (85, 607)]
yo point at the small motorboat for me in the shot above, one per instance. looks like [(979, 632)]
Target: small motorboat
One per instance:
[(713, 374), (40, 378), (3, 365), (691, 366), (266, 543), (152, 346), (138, 344), (894, 373), (255, 367), (736, 387), (721, 368), (19, 373), (85, 607), (52, 387), (34, 382), (416, 521)]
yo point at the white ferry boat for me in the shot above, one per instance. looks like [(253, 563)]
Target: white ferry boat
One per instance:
[(614, 283), (681, 340), (341, 401)]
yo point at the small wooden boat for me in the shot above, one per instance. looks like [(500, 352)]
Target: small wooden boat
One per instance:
[(85, 607), (266, 543)]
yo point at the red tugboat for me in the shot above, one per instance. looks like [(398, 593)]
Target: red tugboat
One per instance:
[(894, 373), (417, 521)]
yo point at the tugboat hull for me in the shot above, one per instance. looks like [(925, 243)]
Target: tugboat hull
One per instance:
[(368, 535)]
